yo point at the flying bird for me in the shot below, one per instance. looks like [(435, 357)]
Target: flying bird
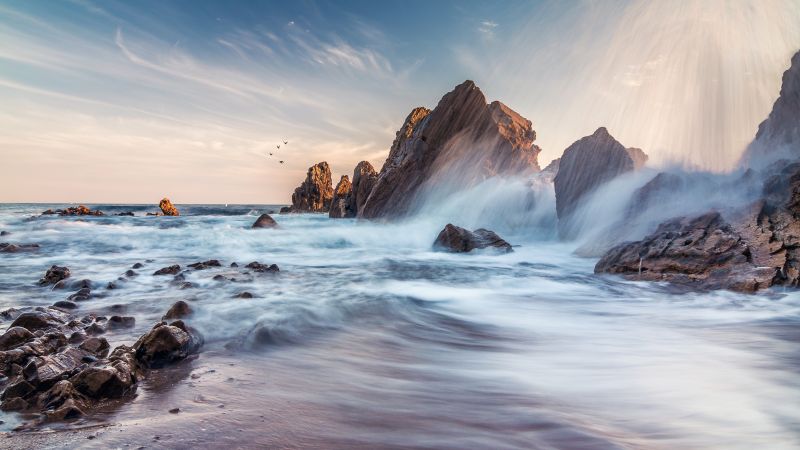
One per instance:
[(285, 142), (279, 146), (281, 162), (270, 154)]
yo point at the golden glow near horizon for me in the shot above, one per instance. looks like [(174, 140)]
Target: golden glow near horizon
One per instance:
[(118, 113)]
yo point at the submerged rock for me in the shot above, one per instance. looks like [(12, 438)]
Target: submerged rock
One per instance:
[(6, 247), (265, 221), (205, 264), (460, 240), (256, 266), (338, 208), (586, 165), (167, 208), (165, 344), (54, 274), (169, 270), (463, 135), (74, 211)]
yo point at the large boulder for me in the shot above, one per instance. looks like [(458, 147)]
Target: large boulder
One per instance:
[(460, 240), (779, 134), (339, 201), (167, 208), (315, 192), (463, 134), (165, 344), (586, 165), (265, 221)]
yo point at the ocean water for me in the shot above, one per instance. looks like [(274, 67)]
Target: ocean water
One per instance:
[(369, 339)]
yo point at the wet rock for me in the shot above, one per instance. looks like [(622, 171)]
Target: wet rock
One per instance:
[(220, 277), (586, 165), (62, 402), (167, 208), (137, 265), (186, 285), (97, 346), (174, 410), (81, 284), (6, 247), (165, 344), (20, 388), (316, 192), (233, 264), (65, 304), (178, 310), (44, 371), (77, 337), (463, 135), (82, 295), (39, 320), (131, 273), (262, 268), (243, 295), (111, 285), (170, 270), (54, 274), (265, 221), (285, 210), (205, 264), (94, 329), (119, 322), (14, 404), (125, 213), (40, 345), (4, 233), (704, 251), (456, 239), (116, 378), (338, 208), (14, 337)]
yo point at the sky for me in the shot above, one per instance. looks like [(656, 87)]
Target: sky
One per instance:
[(128, 102)]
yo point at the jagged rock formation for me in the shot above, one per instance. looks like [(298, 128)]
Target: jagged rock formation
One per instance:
[(460, 240), (340, 195), (488, 139), (315, 192), (265, 221), (756, 247), (779, 134), (587, 164), (167, 208), (364, 179), (553, 166)]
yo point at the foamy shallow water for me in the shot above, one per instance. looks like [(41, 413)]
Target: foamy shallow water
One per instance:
[(376, 341)]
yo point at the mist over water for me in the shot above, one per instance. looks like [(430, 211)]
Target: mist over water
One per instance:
[(368, 338)]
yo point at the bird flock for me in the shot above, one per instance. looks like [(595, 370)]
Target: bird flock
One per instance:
[(278, 147)]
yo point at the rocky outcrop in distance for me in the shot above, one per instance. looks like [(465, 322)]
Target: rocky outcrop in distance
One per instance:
[(315, 193), (74, 211), (460, 240), (586, 165), (167, 208), (347, 205), (489, 139)]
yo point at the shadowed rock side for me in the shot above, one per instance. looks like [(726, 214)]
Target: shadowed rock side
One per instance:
[(74, 211), (315, 192), (757, 247), (492, 138), (364, 179), (779, 135), (167, 208), (460, 240), (339, 201), (587, 164)]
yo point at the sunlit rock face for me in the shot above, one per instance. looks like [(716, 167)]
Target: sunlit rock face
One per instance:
[(587, 164), (339, 202), (779, 135), (315, 193), (463, 138)]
